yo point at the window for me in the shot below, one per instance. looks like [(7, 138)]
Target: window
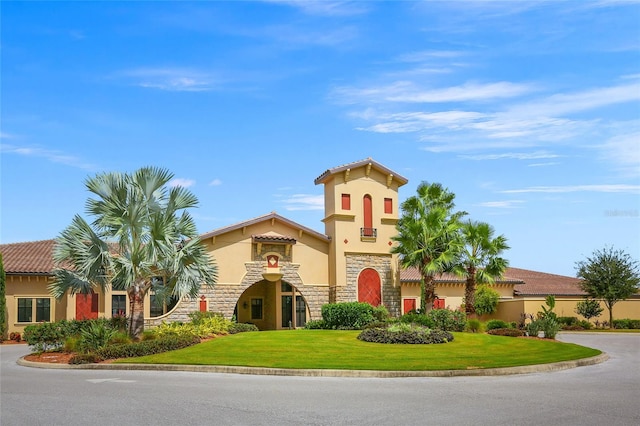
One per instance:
[(285, 287), (159, 307), (388, 206), (256, 309), (346, 202), (43, 309), (118, 305), (28, 310), (25, 312)]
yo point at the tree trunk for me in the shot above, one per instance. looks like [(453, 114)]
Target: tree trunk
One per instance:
[(136, 309), (428, 294), (610, 306), (470, 293)]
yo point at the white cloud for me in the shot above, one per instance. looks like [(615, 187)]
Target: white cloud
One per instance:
[(623, 150), (615, 188), (410, 92), (304, 202), (508, 204), (537, 155), (185, 183), (47, 154), (325, 7), (171, 79), (215, 182)]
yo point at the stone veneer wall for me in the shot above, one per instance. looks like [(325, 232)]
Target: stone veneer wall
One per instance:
[(223, 297), (382, 264)]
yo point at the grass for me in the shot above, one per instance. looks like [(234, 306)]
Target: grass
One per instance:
[(327, 349)]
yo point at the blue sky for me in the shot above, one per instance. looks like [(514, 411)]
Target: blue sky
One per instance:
[(528, 111)]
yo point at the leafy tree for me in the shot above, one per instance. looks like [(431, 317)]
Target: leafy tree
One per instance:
[(609, 274), (479, 260), (486, 300), (589, 308), (428, 236), (3, 301), (141, 230)]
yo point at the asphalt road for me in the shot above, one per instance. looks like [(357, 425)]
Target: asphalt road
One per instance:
[(603, 394)]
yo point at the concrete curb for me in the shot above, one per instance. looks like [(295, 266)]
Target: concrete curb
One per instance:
[(527, 369)]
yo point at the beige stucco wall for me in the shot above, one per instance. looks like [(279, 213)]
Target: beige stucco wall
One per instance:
[(32, 287), (344, 225)]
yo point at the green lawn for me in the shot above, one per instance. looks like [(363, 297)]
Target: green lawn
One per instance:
[(327, 349)]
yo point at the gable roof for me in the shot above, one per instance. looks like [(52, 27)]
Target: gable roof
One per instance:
[(30, 258), (266, 217), (384, 170)]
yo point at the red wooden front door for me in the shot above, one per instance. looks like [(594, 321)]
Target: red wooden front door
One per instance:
[(409, 305), (369, 287), (86, 306)]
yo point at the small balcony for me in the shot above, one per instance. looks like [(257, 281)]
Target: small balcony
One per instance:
[(368, 233)]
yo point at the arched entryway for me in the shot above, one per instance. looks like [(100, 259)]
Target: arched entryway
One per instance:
[(272, 306), (369, 287)]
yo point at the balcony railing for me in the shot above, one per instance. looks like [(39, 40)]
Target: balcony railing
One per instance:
[(368, 232)]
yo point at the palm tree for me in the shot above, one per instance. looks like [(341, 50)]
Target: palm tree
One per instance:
[(479, 261), (428, 236), (141, 230)]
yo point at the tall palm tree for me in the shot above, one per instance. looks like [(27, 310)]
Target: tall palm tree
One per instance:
[(141, 230), (428, 236), (479, 261)]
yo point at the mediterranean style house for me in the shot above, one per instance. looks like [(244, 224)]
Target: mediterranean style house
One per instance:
[(277, 274)]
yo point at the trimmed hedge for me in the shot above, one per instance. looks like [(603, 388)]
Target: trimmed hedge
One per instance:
[(415, 336), (626, 323), (242, 328), (165, 343), (511, 332), (495, 324), (347, 315)]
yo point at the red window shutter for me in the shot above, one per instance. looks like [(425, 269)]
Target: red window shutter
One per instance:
[(346, 202), (388, 206)]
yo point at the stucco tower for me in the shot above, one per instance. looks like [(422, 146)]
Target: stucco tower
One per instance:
[(361, 212)]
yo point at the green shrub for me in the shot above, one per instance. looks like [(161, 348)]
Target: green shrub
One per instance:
[(240, 327), (147, 335), (511, 332), (71, 344), (198, 317), (120, 337), (495, 324), (567, 321), (447, 320), (315, 325), (585, 324), (147, 347), (486, 300), (381, 313), (347, 315), (45, 336), (548, 324), (96, 336), (89, 358), (416, 318), (474, 325), (626, 323), (405, 333)]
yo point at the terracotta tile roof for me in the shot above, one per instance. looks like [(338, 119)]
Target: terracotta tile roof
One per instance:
[(269, 238), (30, 258), (323, 177), (542, 284), (410, 275)]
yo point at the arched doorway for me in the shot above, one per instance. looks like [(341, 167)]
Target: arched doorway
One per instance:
[(272, 306), (369, 287)]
